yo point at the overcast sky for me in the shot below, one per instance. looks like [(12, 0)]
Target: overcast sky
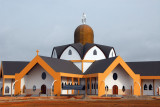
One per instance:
[(132, 27)]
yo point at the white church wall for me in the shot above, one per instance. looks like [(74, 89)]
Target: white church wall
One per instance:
[(147, 82), (7, 83), (34, 77), (78, 64), (74, 54), (123, 79), (54, 54), (86, 65), (157, 86), (112, 53), (90, 56)]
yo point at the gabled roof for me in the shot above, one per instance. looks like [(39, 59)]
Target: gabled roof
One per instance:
[(59, 65), (82, 50), (100, 66), (12, 67), (148, 68)]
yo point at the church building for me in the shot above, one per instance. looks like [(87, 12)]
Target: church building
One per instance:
[(83, 67)]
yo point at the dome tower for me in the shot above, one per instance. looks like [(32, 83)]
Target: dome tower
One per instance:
[(83, 33)]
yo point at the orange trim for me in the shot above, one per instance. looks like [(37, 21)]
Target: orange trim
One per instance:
[(42, 63), (117, 61), (150, 77), (71, 75), (76, 60), (90, 75), (9, 76)]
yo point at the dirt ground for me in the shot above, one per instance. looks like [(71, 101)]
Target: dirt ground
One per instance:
[(80, 103)]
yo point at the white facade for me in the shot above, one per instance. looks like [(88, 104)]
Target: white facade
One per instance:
[(34, 77), (90, 54), (112, 53), (70, 54), (123, 79), (86, 65), (147, 91), (54, 54), (78, 64), (9, 83)]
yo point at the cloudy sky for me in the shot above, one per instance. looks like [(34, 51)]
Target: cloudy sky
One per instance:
[(132, 27)]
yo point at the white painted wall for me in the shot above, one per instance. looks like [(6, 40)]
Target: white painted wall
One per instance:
[(147, 82), (157, 85), (112, 53), (75, 55), (34, 77), (78, 64), (89, 55), (86, 65), (8, 83), (54, 54), (123, 79)]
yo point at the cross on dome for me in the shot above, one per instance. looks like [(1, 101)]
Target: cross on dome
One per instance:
[(37, 52)]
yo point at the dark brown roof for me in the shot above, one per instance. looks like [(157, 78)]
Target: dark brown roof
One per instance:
[(100, 66), (12, 67), (60, 65), (148, 68)]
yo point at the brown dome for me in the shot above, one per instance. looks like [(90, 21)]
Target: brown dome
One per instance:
[(83, 34)]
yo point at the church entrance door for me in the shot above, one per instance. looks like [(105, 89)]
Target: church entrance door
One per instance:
[(115, 89), (43, 89)]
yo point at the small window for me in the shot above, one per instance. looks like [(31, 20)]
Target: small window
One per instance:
[(69, 84), (115, 76), (94, 52), (7, 89), (145, 87), (69, 52), (65, 83), (43, 75), (150, 87), (75, 83), (62, 85), (106, 88), (123, 89), (34, 88)]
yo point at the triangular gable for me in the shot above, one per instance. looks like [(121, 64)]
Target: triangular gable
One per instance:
[(115, 63), (42, 63)]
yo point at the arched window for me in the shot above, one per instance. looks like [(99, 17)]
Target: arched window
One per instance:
[(7, 89), (69, 52), (75, 83), (34, 88), (94, 52), (62, 84), (69, 84), (106, 88), (115, 76), (65, 83), (145, 87), (150, 87), (123, 89), (43, 75)]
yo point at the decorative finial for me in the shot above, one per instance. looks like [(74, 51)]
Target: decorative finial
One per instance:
[(37, 52), (84, 18)]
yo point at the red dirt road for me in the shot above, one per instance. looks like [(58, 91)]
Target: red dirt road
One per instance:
[(105, 103)]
